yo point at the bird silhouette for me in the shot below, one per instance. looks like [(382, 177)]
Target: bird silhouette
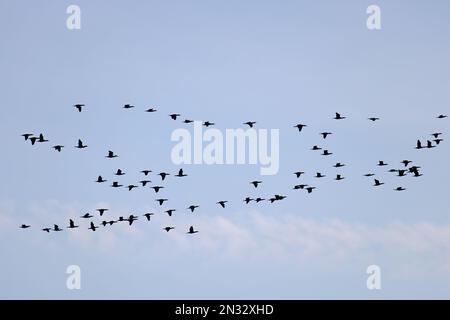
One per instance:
[(401, 173), (161, 201), (131, 219), (339, 165), (101, 211), (80, 145), (435, 135), (381, 163), (56, 228), (174, 116), (298, 173), (299, 186), (325, 134), (188, 121), (430, 144), (369, 175), (399, 189), (128, 106), (116, 184), (339, 177), (250, 123), (146, 172), (93, 227), (373, 119), (192, 208), (316, 148), (181, 174), (319, 175), (191, 230), (111, 155), (41, 138), (71, 224), (87, 216), (222, 203), (438, 141), (47, 230), (208, 124), (406, 162), (339, 117), (144, 182), (256, 183), (168, 228), (300, 127), (79, 106), (25, 226), (377, 183), (258, 200), (419, 145), (119, 172), (157, 188), (100, 179), (27, 136), (148, 215), (131, 187), (310, 189), (442, 116), (326, 153), (248, 200), (170, 212), (33, 140), (58, 148), (151, 110), (163, 175)]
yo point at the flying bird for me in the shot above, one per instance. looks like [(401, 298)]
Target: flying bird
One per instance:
[(58, 148), (258, 200), (128, 106), (148, 215), (222, 203), (168, 228), (161, 201), (24, 226), (157, 188), (339, 177), (369, 175), (116, 185), (111, 155), (419, 145), (256, 183), (27, 135), (299, 186), (87, 216), (80, 145), (188, 121), (92, 227), (56, 228), (406, 162), (377, 183), (163, 175), (119, 172), (325, 134), (181, 174), (430, 144), (191, 230), (101, 211), (319, 175), (47, 230), (442, 116), (326, 153), (131, 219), (71, 224), (250, 123), (381, 163), (300, 127), (435, 135), (373, 119), (298, 173), (79, 106), (146, 172), (208, 124), (170, 212), (399, 189), (339, 165), (339, 117), (131, 187), (41, 138), (144, 182), (100, 179), (151, 110), (192, 208), (174, 116), (315, 148), (248, 200)]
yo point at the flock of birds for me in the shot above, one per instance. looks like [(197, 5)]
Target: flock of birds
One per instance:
[(407, 169)]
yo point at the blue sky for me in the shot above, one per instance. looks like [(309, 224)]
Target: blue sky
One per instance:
[(227, 62)]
